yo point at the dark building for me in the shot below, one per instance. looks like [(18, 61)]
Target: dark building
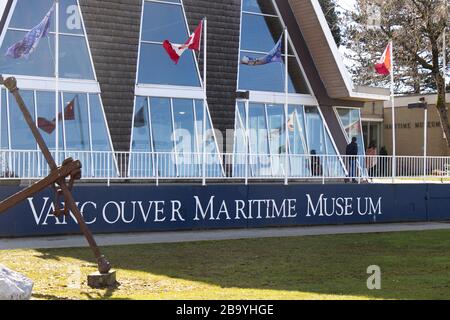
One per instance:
[(137, 114)]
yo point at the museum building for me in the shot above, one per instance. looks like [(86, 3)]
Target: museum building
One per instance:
[(128, 111)]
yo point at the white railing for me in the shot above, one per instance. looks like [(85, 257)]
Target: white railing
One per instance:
[(156, 167)]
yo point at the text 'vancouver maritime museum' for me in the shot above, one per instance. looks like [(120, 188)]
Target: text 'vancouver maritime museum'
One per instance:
[(149, 93), (127, 110)]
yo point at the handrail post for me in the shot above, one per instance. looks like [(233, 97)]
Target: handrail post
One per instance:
[(393, 168), (323, 168), (108, 169), (204, 169), (157, 169), (361, 169), (247, 161), (247, 140)]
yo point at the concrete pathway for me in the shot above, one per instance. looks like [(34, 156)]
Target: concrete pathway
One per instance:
[(189, 236)]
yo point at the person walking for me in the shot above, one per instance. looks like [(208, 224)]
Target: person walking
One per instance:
[(351, 152)]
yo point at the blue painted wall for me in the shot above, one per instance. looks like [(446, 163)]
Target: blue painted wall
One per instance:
[(134, 208)]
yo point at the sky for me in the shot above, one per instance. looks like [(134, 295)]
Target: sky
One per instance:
[(345, 4)]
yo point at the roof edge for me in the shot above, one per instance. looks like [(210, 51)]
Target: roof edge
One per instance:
[(333, 46), (368, 93)]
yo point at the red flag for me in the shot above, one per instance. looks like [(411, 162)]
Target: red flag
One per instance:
[(46, 125), (69, 111), (384, 65), (175, 51), (50, 126)]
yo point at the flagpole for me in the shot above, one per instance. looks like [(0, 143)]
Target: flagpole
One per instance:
[(425, 140), (57, 80), (394, 147), (444, 47), (286, 90), (205, 35)]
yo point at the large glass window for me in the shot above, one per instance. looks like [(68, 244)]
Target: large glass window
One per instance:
[(162, 22), (165, 21), (260, 140), (74, 60), (298, 148), (76, 122), (309, 143), (168, 139), (19, 128), (260, 30), (82, 128)]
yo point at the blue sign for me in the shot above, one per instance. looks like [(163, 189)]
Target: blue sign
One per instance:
[(136, 208)]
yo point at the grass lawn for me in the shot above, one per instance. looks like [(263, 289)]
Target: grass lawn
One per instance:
[(414, 265)]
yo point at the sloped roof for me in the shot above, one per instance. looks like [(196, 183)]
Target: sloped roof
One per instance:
[(326, 56)]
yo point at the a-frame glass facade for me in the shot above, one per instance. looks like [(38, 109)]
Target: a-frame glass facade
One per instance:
[(168, 138), (74, 58), (263, 121), (82, 128)]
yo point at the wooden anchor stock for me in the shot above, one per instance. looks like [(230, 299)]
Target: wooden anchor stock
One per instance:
[(57, 180)]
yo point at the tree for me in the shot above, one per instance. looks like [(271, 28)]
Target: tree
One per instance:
[(416, 27), (333, 19)]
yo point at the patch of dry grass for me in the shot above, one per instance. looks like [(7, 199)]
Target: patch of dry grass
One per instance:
[(415, 265)]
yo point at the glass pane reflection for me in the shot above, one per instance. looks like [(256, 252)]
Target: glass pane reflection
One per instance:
[(176, 138), (308, 139)]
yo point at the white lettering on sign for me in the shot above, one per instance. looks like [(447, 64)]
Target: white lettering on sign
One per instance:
[(342, 206), (212, 208), (176, 207)]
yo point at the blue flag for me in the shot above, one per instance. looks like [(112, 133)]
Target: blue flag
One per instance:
[(273, 56), (28, 44)]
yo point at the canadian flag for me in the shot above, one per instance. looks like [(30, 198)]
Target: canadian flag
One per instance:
[(175, 51), (384, 65)]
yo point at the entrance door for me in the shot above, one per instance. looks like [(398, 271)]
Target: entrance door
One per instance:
[(372, 132)]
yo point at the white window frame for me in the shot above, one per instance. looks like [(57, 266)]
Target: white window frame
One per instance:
[(279, 97)]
